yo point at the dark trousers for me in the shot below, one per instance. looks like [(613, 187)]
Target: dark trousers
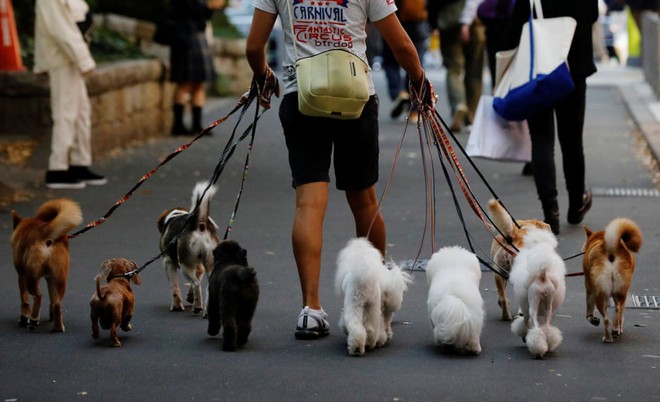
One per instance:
[(569, 113), (418, 33)]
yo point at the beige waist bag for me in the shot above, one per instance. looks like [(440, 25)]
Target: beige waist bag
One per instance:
[(333, 84)]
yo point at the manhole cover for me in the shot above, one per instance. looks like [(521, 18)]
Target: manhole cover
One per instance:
[(625, 192), (645, 301)]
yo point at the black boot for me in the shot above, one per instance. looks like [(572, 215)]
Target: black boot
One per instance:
[(197, 119), (577, 210), (551, 214), (177, 126)]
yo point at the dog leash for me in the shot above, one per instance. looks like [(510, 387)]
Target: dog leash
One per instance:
[(228, 151), (243, 103)]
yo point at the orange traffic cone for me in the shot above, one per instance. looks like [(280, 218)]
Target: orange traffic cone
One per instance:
[(10, 49)]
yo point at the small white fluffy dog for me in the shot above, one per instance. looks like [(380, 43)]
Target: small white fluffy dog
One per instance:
[(455, 305), (538, 278), (372, 293)]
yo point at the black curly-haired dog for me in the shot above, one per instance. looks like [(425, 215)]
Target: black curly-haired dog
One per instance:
[(233, 295)]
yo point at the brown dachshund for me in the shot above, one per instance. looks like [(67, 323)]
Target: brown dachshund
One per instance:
[(112, 304), (41, 250)]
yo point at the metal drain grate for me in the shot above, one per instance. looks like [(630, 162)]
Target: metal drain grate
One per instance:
[(625, 192), (644, 301), (419, 265)]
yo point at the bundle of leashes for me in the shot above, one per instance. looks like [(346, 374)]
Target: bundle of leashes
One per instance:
[(432, 130)]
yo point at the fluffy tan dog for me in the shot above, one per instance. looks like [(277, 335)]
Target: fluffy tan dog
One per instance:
[(608, 266), (112, 304), (504, 257), (41, 250)]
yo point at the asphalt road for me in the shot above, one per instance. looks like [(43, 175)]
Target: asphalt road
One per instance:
[(169, 357)]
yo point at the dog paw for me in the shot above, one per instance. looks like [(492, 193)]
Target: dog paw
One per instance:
[(23, 322), (126, 327), (32, 324), (506, 316), (616, 333), (58, 329), (356, 351), (593, 320), (116, 344), (177, 307), (608, 339), (197, 310)]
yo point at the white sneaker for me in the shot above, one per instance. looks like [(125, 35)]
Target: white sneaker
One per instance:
[(312, 324)]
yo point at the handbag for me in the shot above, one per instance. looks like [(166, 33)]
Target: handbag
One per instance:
[(333, 83), (535, 75), (493, 137)]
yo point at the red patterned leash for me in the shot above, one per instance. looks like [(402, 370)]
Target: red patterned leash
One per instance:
[(244, 102)]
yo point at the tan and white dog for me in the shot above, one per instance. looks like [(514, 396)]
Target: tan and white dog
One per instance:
[(192, 251), (608, 266), (41, 250), (504, 256), (372, 292)]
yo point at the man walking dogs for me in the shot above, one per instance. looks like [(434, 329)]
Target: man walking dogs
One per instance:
[(310, 28)]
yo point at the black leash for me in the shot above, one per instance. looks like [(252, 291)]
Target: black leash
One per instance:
[(228, 151)]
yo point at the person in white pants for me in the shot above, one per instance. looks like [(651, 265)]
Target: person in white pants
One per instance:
[(62, 52)]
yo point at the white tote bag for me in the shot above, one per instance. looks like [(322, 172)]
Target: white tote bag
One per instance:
[(492, 137), (552, 42)]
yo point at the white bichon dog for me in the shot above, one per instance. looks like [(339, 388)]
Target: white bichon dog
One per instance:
[(538, 279), (372, 292), (455, 305)]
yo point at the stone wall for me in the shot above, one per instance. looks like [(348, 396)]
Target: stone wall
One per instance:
[(131, 102)]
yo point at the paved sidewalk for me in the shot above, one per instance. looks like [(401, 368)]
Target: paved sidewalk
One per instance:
[(168, 356)]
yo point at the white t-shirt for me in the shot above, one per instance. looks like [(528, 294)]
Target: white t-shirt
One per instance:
[(321, 25)]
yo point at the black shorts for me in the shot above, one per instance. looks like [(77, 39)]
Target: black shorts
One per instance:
[(310, 141)]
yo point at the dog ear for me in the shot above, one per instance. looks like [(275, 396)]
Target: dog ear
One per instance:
[(106, 268), (132, 266), (587, 231), (16, 218)]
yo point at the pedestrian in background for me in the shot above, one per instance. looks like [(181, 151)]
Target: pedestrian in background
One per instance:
[(494, 15), (191, 61), (60, 50), (462, 45), (413, 17), (311, 141), (569, 112)]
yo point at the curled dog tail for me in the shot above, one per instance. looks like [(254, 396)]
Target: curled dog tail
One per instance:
[(500, 217), (61, 216), (203, 199), (623, 230), (454, 323)]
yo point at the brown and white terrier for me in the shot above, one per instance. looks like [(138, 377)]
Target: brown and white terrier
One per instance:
[(187, 238), (112, 304), (608, 266), (40, 249), (504, 257)]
